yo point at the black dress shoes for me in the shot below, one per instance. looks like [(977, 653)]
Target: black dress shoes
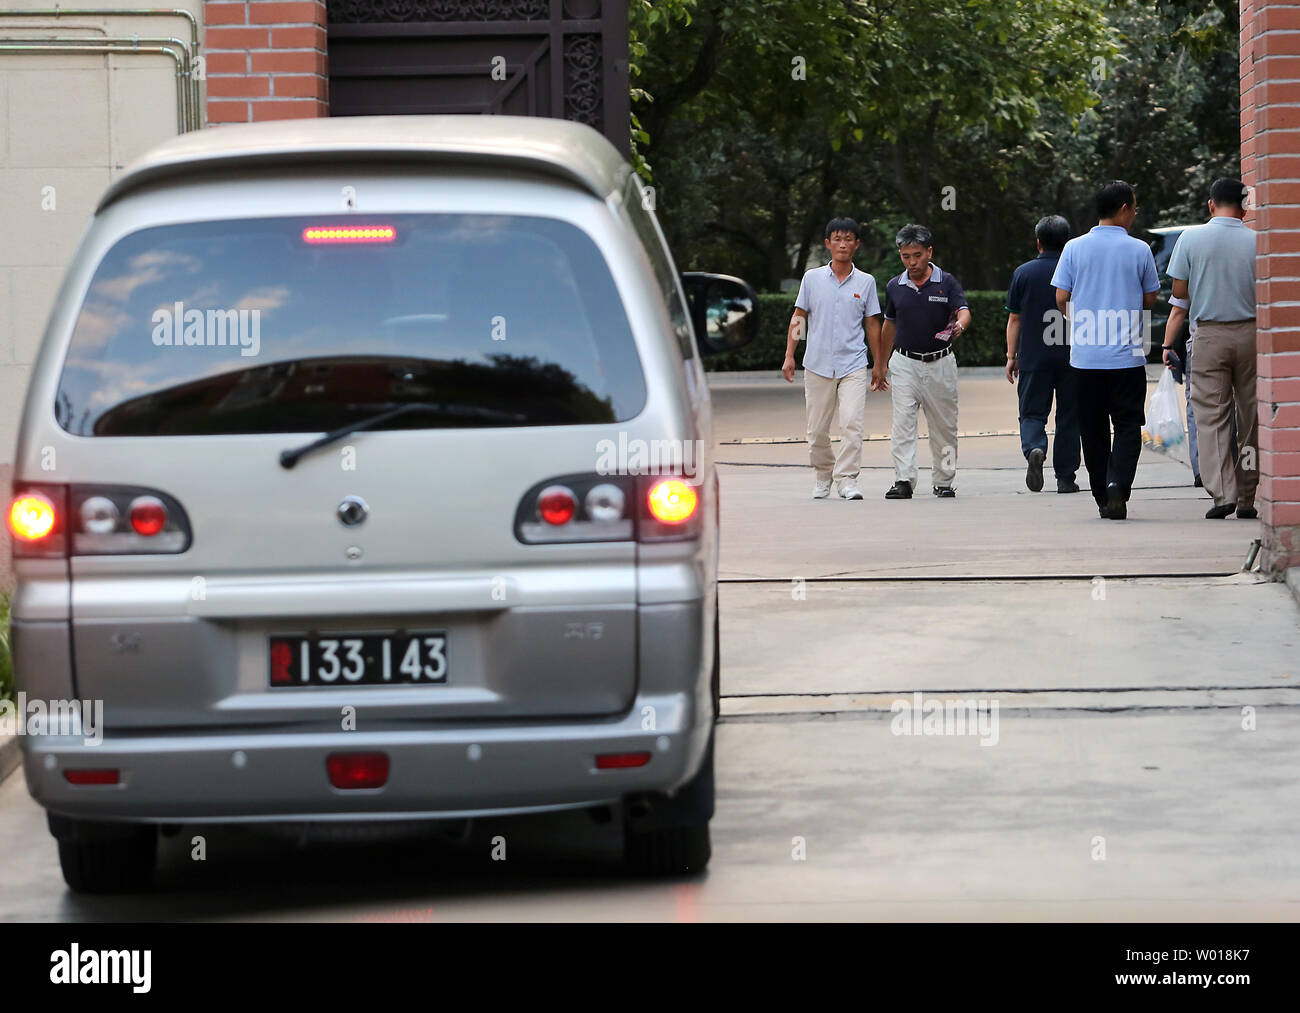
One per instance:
[(900, 490), (1217, 513), (1116, 506), (1034, 473)]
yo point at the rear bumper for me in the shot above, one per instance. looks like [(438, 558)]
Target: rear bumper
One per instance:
[(447, 771)]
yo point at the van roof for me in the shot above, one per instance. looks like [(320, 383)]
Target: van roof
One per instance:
[(570, 151)]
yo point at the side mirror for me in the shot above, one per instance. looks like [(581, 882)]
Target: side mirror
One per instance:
[(724, 311)]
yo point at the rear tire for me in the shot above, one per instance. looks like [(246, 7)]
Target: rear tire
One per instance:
[(105, 857), (665, 836), (674, 852)]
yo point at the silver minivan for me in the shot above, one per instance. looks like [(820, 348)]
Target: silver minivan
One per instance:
[(365, 474)]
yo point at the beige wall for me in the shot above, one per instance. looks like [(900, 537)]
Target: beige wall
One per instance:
[(68, 122)]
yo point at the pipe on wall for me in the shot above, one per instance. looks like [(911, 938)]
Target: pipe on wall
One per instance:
[(195, 101), (190, 114), (98, 47)]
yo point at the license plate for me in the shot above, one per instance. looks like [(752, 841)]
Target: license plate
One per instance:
[(359, 659)]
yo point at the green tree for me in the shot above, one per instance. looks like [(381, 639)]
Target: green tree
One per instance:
[(976, 118), (794, 107)]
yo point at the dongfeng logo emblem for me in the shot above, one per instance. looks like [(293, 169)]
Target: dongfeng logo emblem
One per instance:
[(353, 510)]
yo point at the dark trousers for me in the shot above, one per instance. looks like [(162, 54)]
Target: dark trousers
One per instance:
[(1111, 397), (1036, 389)]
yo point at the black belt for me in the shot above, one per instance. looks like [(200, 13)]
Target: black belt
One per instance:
[(925, 356)]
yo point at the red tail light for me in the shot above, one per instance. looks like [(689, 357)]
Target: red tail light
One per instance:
[(608, 508), (32, 516), (89, 520), (148, 515), (557, 505), (353, 771)]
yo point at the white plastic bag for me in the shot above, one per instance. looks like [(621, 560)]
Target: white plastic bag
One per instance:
[(1164, 428)]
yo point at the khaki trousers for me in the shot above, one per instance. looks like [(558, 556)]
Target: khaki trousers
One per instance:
[(823, 396), (931, 387), (1223, 382)]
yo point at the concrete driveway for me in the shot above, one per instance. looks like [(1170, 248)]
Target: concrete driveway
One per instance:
[(1141, 766)]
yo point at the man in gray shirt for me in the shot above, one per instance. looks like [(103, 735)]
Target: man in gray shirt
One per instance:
[(838, 305), (1213, 266)]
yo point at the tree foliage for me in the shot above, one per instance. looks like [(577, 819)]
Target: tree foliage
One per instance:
[(976, 117)]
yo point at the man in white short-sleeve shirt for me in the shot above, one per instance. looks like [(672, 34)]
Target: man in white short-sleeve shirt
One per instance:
[(837, 305)]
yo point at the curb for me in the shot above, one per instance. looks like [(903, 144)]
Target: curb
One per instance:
[(1292, 578), (10, 757)]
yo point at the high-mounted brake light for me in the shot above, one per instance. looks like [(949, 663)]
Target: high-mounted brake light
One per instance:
[(672, 501), (31, 517), (318, 234)]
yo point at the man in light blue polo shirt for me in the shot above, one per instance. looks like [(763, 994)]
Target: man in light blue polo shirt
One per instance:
[(1105, 281), (1214, 267), (836, 304)]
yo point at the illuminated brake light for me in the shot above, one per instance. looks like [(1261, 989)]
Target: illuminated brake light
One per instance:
[(349, 234), (557, 505), (148, 515), (31, 517), (672, 501)]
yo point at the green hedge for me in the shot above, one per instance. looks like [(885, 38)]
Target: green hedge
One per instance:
[(985, 344)]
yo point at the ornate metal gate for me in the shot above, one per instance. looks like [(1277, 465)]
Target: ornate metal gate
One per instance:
[(562, 58)]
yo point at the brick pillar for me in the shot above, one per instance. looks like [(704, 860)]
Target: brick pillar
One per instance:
[(1270, 162), (265, 60)]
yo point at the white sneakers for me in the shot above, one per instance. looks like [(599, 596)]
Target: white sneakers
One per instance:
[(848, 489)]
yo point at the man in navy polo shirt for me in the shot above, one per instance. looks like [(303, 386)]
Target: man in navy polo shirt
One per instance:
[(1037, 353), (1104, 281), (925, 308)]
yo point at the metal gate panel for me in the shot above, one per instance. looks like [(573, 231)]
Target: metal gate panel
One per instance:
[(561, 58)]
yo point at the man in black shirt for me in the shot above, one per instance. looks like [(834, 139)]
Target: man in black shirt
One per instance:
[(1039, 353), (925, 309)]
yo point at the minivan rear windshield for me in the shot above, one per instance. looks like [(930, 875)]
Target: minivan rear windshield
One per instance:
[(283, 325)]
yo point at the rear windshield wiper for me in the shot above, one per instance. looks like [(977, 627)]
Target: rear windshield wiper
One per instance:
[(288, 458)]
